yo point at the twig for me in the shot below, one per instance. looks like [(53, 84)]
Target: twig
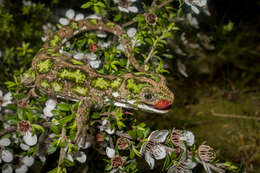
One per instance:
[(62, 150), (233, 116), (164, 3)]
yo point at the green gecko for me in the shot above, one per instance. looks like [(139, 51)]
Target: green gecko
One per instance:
[(62, 76)]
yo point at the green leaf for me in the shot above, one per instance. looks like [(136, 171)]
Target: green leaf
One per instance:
[(118, 17), (132, 154), (63, 107), (87, 5), (108, 167), (38, 127), (66, 119), (100, 4), (136, 152), (21, 113), (95, 115), (132, 133)]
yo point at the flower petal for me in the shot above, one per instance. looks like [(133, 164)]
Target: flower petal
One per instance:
[(82, 157), (1, 92), (195, 9), (133, 9), (28, 160), (110, 152), (123, 9), (188, 137), (131, 32), (70, 13), (7, 156), (5, 142), (149, 160), (51, 103), (159, 152), (7, 168), (22, 169), (158, 136), (29, 139), (96, 64), (79, 16), (64, 21), (47, 112)]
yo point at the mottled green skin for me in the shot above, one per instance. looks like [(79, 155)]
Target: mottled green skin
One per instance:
[(62, 76)]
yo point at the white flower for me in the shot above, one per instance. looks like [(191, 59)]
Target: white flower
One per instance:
[(21, 169), (131, 32), (50, 105), (94, 16), (95, 64), (28, 160), (27, 3), (110, 152), (125, 6), (47, 29), (70, 14), (120, 47), (104, 44), (91, 56), (42, 158), (81, 157), (7, 156), (30, 139), (7, 168), (24, 147), (5, 142), (6, 99), (153, 149), (182, 68), (88, 142), (193, 21), (70, 158), (205, 40), (107, 127), (79, 56), (101, 34), (184, 166), (194, 3)]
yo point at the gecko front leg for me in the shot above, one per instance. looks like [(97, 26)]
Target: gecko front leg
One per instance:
[(81, 119)]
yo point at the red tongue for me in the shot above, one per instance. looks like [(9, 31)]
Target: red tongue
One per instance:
[(162, 104)]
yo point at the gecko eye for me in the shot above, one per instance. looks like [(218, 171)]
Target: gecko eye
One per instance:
[(149, 96)]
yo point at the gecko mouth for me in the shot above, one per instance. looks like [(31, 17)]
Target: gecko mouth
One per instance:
[(144, 107)]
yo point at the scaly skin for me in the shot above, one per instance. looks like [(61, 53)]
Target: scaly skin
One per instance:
[(62, 76)]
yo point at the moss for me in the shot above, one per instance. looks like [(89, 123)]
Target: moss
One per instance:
[(100, 83), (45, 84), (44, 66), (74, 25), (73, 75), (57, 87), (116, 83), (151, 76), (132, 86), (55, 40), (80, 90), (76, 62)]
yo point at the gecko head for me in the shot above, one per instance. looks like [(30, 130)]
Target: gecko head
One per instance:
[(145, 91)]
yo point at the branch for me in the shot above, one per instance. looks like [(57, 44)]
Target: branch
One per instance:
[(233, 116), (213, 167), (62, 150)]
